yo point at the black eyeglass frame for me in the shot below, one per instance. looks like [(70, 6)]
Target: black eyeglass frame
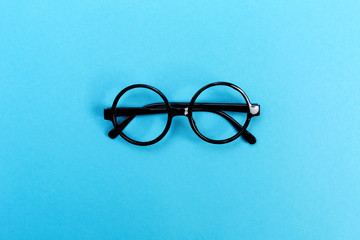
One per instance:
[(183, 109)]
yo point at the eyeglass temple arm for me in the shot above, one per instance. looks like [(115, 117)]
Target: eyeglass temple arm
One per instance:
[(198, 107), (154, 108)]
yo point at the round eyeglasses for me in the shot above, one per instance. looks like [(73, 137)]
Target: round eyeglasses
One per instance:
[(218, 113)]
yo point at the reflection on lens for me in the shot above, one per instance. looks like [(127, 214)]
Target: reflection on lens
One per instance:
[(219, 124), (143, 128)]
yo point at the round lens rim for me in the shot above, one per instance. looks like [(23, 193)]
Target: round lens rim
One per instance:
[(192, 122), (120, 132)]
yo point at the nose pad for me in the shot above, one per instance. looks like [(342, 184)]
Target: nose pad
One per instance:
[(186, 111), (180, 111)]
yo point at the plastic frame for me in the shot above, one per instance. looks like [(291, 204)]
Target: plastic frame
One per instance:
[(182, 109)]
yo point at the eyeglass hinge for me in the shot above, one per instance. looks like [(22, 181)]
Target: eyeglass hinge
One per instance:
[(255, 109), (108, 114)]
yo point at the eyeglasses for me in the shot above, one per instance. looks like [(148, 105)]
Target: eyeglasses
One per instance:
[(142, 115)]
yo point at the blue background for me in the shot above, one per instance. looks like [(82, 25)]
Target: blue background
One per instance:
[(62, 62)]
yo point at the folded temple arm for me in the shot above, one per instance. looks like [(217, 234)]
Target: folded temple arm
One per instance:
[(216, 108)]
